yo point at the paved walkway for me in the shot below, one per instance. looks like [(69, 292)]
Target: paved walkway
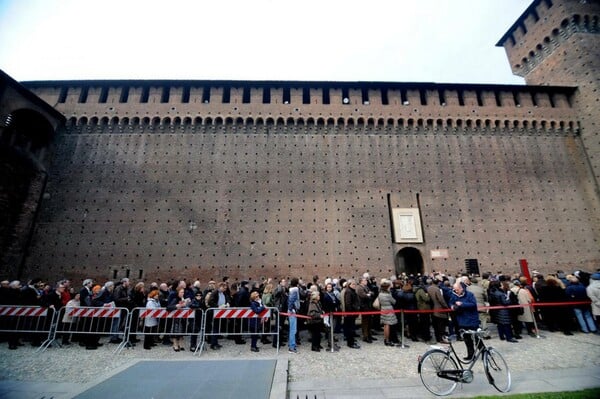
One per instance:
[(530, 382), (536, 381)]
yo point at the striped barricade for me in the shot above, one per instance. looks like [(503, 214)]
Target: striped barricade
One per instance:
[(162, 322), (91, 322), (240, 322), (35, 321)]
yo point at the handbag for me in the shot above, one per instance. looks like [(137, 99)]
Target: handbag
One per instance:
[(376, 303)]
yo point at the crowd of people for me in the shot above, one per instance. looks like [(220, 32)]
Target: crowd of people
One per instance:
[(429, 308)]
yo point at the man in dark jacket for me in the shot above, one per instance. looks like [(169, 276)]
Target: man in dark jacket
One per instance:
[(351, 304), (465, 311)]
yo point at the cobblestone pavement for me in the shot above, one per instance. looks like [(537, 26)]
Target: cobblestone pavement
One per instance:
[(74, 364)]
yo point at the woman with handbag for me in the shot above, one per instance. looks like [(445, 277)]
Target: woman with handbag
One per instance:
[(386, 304)]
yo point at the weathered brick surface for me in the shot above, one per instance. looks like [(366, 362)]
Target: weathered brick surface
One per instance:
[(164, 179)]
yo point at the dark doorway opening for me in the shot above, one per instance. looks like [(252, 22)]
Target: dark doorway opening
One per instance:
[(410, 261)]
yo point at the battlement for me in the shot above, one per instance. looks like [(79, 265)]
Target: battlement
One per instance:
[(543, 27), (123, 105)]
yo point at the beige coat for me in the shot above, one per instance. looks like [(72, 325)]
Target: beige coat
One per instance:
[(525, 298), (593, 291)]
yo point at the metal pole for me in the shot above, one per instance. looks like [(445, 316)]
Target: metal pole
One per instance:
[(331, 341), (537, 331), (402, 330)]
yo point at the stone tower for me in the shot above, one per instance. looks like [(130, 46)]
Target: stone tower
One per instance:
[(557, 42)]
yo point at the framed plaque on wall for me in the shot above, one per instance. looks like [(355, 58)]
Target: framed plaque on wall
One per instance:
[(407, 225)]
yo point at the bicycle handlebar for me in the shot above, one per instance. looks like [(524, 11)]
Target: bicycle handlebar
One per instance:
[(479, 332)]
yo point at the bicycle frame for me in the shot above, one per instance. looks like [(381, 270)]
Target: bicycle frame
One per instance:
[(461, 376)]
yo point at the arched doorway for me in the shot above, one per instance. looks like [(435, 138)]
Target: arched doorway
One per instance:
[(409, 260)]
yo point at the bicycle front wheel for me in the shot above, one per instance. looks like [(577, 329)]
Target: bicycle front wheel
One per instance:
[(496, 370), (434, 369)]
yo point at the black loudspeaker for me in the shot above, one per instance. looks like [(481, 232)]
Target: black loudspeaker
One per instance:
[(472, 266)]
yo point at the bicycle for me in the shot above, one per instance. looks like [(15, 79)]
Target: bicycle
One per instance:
[(442, 369)]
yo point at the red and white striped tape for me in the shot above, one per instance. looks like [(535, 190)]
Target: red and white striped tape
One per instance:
[(240, 314), (93, 312), (23, 311), (168, 314)]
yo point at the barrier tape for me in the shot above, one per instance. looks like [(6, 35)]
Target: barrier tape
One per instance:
[(240, 314), (23, 311), (100, 312), (168, 314)]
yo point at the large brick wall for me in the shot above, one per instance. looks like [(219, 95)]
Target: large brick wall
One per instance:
[(164, 179), (263, 193)]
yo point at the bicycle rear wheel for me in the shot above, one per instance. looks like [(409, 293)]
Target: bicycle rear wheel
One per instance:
[(496, 370), (432, 366)]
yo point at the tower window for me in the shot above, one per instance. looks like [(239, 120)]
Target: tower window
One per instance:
[(103, 95), (185, 95), (305, 95), (145, 94), (124, 94), (266, 95), (206, 95), (246, 95)]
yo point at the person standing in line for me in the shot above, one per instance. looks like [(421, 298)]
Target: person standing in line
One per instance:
[(526, 299), (151, 323), (440, 317), (254, 322), (366, 300), (315, 323), (293, 307), (388, 318), (351, 304), (593, 291), (481, 297), (576, 292)]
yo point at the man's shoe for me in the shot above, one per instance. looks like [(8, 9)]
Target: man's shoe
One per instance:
[(115, 340), (294, 350), (315, 349), (373, 338), (354, 346), (518, 337), (367, 340), (514, 341), (254, 349), (91, 348)]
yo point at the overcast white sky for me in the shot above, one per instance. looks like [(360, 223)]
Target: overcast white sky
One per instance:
[(444, 41)]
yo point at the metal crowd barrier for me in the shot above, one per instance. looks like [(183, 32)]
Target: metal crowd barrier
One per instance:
[(90, 320), (31, 320), (181, 322), (235, 322)]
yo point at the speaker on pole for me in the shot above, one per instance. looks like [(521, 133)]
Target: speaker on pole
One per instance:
[(472, 266)]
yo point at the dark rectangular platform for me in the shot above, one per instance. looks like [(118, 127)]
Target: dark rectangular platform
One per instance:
[(214, 379)]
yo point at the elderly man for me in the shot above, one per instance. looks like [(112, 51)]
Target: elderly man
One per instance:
[(465, 311)]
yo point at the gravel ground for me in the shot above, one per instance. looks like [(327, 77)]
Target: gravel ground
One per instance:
[(74, 364)]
